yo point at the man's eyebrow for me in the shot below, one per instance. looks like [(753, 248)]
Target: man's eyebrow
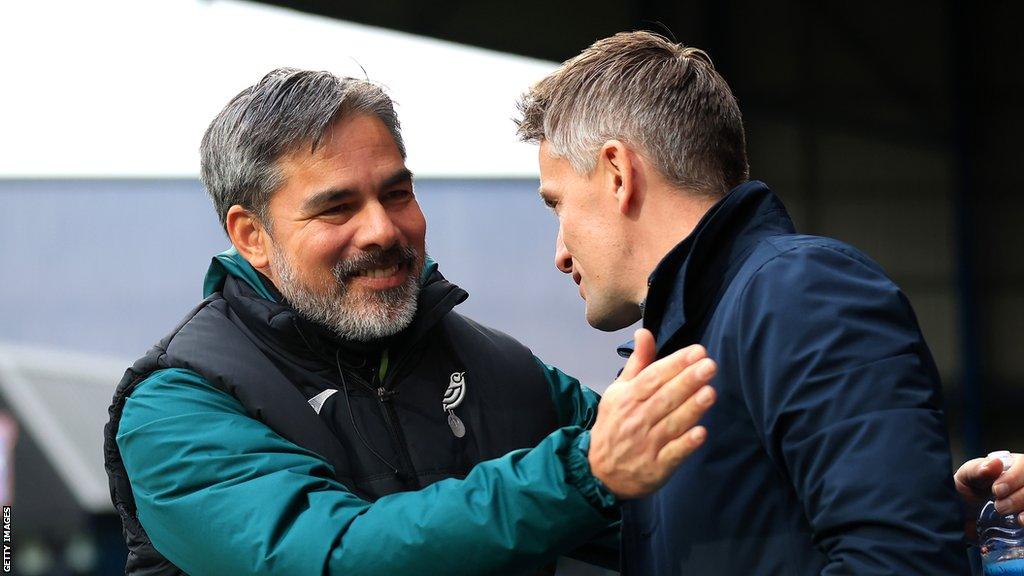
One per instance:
[(327, 197), (402, 175)]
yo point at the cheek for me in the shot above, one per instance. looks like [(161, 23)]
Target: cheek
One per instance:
[(595, 251), (569, 232), (413, 225), (578, 234), (319, 249)]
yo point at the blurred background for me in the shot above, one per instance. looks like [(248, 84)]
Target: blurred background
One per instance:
[(892, 126)]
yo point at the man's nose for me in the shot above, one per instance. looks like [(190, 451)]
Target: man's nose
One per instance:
[(563, 260), (377, 229)]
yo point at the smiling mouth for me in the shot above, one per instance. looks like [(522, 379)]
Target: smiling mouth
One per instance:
[(378, 269), (379, 272)]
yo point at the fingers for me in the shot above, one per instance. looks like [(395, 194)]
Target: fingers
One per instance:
[(1011, 504), (643, 354), (658, 374), (647, 420), (983, 478), (974, 478), (1008, 489), (673, 453), (985, 473), (679, 389), (679, 422), (1011, 480)]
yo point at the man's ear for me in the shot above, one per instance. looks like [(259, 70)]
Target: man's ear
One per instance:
[(248, 236), (619, 166)]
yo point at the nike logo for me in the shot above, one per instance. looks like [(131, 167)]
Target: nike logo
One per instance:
[(317, 402)]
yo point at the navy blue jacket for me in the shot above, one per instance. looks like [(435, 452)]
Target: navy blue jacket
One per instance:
[(827, 450)]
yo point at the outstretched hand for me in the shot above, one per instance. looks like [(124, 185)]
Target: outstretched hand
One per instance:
[(647, 419)]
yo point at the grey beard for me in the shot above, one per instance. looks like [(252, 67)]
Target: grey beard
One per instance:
[(360, 316)]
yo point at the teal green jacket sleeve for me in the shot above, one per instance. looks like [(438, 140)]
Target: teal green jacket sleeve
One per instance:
[(575, 404), (221, 493)]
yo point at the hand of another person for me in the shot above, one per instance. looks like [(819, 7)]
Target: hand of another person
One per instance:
[(646, 421), (982, 479)]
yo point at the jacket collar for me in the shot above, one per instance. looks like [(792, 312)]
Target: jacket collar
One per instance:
[(686, 284)]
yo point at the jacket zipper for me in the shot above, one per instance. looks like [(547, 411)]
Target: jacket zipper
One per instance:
[(391, 421), (384, 394), (406, 471)]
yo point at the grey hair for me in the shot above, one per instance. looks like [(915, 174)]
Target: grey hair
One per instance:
[(288, 108), (642, 89)]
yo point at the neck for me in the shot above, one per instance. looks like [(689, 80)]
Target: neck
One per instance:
[(667, 218)]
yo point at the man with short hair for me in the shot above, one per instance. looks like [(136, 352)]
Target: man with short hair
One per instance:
[(828, 451), (326, 411)]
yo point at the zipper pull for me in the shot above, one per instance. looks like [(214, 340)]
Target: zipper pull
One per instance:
[(385, 394)]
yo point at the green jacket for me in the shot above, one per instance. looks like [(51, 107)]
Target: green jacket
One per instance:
[(219, 492)]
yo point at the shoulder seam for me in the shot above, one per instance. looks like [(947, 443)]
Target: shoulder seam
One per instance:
[(781, 252)]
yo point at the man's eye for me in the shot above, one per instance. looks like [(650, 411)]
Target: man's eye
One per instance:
[(336, 209), (398, 195), (550, 204)]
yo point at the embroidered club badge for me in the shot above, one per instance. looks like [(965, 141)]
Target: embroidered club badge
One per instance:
[(454, 394)]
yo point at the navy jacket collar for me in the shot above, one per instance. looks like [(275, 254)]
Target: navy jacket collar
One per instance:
[(687, 283)]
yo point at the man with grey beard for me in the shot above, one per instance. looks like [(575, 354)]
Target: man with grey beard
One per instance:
[(354, 316), (326, 411)]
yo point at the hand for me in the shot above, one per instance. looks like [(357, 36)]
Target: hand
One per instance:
[(646, 421), (982, 479)]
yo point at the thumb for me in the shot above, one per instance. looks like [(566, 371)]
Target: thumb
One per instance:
[(979, 474), (986, 473), (643, 354)]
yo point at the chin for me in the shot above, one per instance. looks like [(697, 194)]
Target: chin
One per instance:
[(610, 319)]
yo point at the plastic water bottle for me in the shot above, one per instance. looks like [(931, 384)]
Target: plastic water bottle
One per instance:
[(1001, 536)]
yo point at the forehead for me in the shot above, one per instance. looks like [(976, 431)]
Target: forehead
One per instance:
[(552, 170), (360, 142), (557, 176), (354, 151)]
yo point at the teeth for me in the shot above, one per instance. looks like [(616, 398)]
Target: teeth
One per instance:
[(380, 272)]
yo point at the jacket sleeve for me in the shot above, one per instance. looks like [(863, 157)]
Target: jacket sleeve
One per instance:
[(220, 493), (847, 401), (575, 404)]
